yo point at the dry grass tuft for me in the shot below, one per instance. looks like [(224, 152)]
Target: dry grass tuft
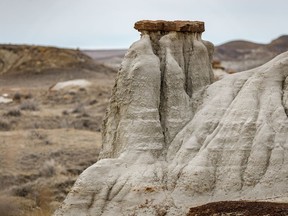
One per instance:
[(43, 199), (40, 137), (79, 109), (29, 105), (5, 125), (13, 112), (17, 96), (51, 168)]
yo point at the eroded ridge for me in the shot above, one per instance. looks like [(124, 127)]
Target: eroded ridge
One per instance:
[(167, 26)]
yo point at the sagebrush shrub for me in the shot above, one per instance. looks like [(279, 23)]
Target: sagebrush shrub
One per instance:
[(29, 105)]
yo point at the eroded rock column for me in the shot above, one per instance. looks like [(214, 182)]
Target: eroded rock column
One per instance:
[(153, 96)]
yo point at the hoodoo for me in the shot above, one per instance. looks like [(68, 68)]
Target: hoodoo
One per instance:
[(172, 139), (152, 99)]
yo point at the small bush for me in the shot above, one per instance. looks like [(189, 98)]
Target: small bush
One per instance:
[(79, 109), (65, 112), (92, 102), (13, 112), (29, 105), (23, 191), (17, 96), (49, 168), (36, 134), (40, 137), (4, 125), (28, 96)]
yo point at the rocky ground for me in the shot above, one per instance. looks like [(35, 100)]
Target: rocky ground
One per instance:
[(240, 208)]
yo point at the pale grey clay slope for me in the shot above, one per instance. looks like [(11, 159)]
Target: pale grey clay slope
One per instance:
[(173, 140)]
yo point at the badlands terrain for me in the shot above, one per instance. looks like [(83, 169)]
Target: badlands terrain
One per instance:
[(50, 129)]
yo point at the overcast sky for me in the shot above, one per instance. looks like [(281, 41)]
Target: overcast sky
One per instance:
[(109, 23)]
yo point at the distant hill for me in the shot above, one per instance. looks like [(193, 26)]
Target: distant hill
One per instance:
[(235, 55), (109, 58), (105, 54), (235, 49), (279, 45), (25, 59), (242, 55)]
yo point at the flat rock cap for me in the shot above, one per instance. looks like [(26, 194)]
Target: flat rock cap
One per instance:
[(177, 25)]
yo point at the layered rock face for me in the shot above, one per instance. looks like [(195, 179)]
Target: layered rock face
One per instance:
[(173, 140), (152, 98)]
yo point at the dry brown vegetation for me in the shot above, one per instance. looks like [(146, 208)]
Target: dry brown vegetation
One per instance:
[(44, 150), (47, 138)]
